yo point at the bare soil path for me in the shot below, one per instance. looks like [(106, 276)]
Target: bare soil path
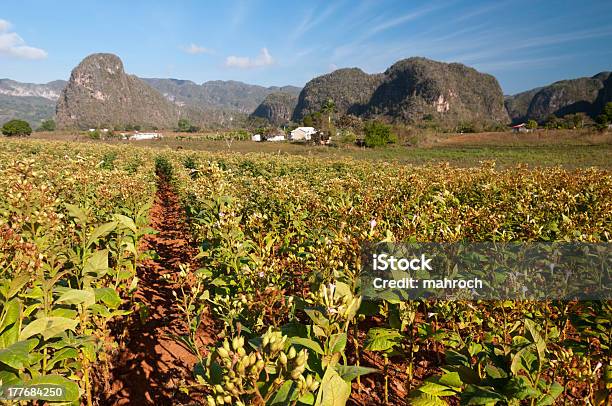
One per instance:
[(153, 366)]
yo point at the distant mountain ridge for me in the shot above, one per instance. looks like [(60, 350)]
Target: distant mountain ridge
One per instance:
[(218, 103), (231, 95), (581, 95), (28, 101), (50, 91), (410, 90)]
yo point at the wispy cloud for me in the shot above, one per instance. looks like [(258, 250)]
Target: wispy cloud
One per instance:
[(490, 48), (11, 44), (403, 19), (383, 23), (196, 49), (312, 19), (244, 62), (512, 64), (240, 11), (480, 10)]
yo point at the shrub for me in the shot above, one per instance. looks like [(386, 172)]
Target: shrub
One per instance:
[(17, 128), (348, 136), (532, 124), (184, 125), (553, 122), (468, 127), (47, 125), (94, 135), (378, 134), (308, 121), (607, 111), (602, 119)]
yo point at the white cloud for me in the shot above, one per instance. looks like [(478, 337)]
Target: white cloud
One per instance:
[(244, 62), (11, 44), (196, 49), (4, 25)]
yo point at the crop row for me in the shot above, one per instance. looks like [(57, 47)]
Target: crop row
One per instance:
[(71, 220), (280, 242)]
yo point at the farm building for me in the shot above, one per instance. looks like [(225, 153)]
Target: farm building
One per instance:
[(256, 137), (302, 133), (275, 138), (146, 136), (520, 128)]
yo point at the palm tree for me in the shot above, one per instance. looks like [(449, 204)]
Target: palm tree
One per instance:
[(329, 108)]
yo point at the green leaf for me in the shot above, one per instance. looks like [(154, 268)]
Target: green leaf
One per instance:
[(9, 326), (436, 389), (285, 394), (308, 343), (451, 379), (126, 222), (63, 312), (97, 263), (382, 339), (77, 213), (350, 372), (77, 296), (9, 378), (101, 310), (540, 344), (63, 354), (517, 363), (418, 398), (549, 399), (17, 355), (334, 390), (519, 388), (480, 395), (70, 388), (48, 327), (108, 296), (337, 342), (101, 231), (16, 284)]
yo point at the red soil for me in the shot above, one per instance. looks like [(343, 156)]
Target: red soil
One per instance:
[(154, 365)]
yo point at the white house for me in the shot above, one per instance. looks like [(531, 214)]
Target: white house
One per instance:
[(276, 138), (520, 128), (256, 138), (146, 136), (302, 133)]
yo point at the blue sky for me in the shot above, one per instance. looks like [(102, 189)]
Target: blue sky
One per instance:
[(524, 43)]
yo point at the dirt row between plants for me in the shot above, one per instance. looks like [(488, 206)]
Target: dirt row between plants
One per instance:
[(153, 366)]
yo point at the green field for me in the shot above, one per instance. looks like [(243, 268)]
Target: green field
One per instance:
[(212, 274)]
